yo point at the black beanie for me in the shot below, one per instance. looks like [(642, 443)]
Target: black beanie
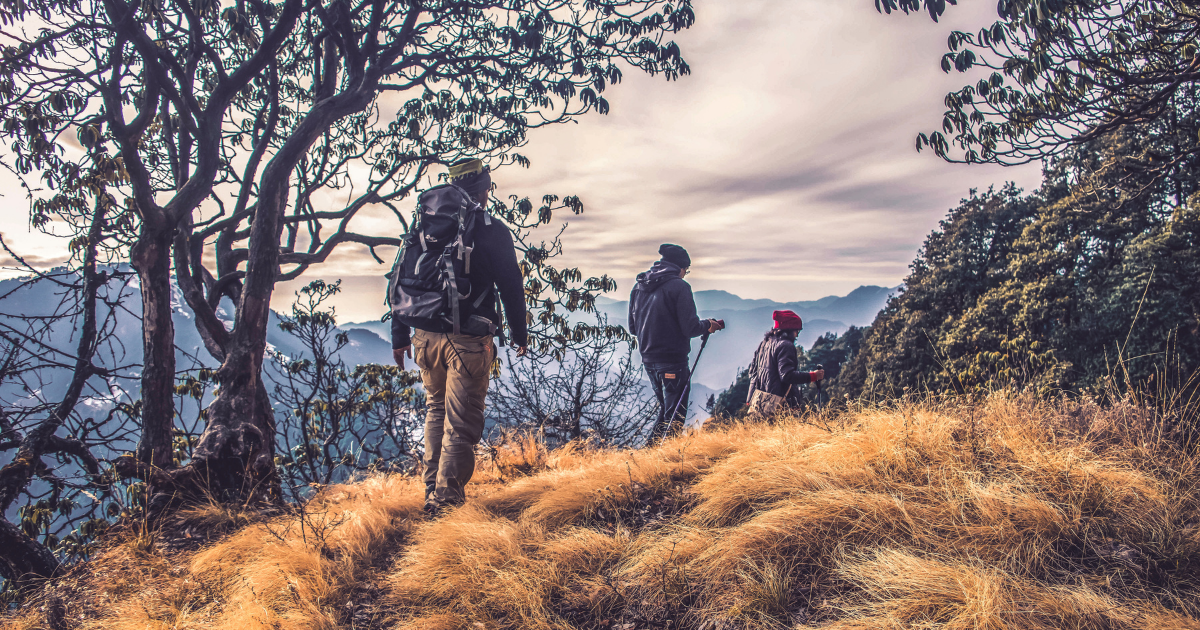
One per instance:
[(675, 255)]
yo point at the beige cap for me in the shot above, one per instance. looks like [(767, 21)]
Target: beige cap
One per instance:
[(465, 167)]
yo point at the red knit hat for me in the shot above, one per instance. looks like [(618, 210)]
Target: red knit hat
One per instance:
[(787, 320)]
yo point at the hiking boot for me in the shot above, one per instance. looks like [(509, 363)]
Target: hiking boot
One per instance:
[(435, 509)]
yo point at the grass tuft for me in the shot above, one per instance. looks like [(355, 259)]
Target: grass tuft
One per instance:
[(1005, 514)]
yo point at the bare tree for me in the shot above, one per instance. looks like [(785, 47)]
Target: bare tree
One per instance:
[(244, 140), (335, 420), (59, 482), (595, 392)]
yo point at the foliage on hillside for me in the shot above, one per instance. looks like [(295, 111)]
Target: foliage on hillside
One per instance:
[(1004, 514), (1091, 277)]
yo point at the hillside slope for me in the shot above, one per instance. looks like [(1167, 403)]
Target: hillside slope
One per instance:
[(1002, 515)]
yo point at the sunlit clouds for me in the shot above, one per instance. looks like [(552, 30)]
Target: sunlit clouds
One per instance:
[(785, 163)]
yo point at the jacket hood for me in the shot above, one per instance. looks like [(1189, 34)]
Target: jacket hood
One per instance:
[(659, 274)]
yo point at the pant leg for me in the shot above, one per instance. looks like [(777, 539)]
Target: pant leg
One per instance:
[(470, 362), (676, 392), (659, 422), (671, 387), (427, 355)]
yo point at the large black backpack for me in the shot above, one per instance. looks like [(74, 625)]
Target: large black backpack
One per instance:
[(431, 275)]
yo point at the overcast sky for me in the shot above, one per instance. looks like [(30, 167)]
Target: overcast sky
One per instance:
[(784, 164)]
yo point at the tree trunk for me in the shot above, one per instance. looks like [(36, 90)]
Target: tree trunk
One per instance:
[(151, 257), (189, 277), (236, 453), (235, 457)]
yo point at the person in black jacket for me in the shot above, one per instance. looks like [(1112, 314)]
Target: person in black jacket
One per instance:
[(455, 367), (662, 314), (775, 368)]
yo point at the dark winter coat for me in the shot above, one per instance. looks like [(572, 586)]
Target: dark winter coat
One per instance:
[(775, 367), (493, 266), (662, 314)]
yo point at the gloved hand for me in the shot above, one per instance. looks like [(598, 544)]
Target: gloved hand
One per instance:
[(716, 324)]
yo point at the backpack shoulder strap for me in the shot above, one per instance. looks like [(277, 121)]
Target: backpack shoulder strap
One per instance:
[(466, 229)]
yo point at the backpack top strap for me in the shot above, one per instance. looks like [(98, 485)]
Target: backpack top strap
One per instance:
[(421, 238)]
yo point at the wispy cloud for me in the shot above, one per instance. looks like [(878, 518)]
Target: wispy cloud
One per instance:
[(784, 163)]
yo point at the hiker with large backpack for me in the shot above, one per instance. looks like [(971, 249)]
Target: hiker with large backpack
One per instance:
[(775, 377), (662, 314), (456, 263)]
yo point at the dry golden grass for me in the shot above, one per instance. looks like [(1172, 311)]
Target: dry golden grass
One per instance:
[(287, 572), (1009, 514)]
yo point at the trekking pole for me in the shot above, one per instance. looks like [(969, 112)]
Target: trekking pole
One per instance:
[(703, 342)]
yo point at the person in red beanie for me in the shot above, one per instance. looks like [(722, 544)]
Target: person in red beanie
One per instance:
[(775, 378)]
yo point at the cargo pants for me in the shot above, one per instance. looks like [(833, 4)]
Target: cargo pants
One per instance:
[(454, 372), (672, 385)]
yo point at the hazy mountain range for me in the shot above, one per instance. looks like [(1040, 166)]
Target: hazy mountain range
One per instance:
[(747, 320), (727, 351), (21, 301)]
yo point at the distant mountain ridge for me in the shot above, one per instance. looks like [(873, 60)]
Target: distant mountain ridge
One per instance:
[(370, 341), (858, 308), (382, 329), (24, 300), (746, 321)]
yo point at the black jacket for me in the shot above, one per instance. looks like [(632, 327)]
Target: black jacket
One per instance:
[(493, 265), (662, 314), (775, 368)]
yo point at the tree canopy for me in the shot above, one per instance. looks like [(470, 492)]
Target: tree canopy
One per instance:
[(1062, 72), (234, 145), (1086, 282)]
